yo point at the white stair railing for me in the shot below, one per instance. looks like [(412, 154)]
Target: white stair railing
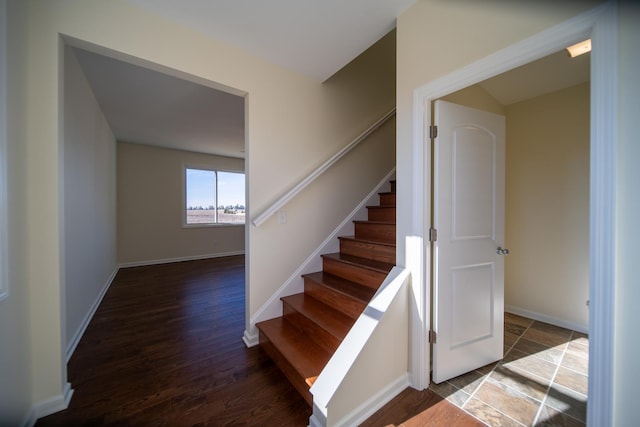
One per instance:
[(278, 204)]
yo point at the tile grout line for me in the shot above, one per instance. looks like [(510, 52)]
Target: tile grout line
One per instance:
[(544, 399), (552, 381), (486, 377)]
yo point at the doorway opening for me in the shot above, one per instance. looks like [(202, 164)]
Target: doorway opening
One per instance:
[(129, 128), (600, 25), (544, 370)]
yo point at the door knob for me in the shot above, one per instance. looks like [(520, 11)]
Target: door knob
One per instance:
[(501, 251)]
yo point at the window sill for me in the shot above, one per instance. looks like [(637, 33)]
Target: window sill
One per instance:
[(213, 225)]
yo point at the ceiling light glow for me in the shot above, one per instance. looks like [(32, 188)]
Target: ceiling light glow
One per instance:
[(579, 48)]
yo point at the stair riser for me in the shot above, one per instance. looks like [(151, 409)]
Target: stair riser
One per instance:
[(363, 276), (288, 370), (350, 306), (382, 214), (383, 253), (387, 199), (384, 233), (310, 328)]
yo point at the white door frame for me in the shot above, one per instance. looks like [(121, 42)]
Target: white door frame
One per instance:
[(600, 24)]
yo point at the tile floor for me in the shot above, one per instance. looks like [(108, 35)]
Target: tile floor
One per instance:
[(542, 380)]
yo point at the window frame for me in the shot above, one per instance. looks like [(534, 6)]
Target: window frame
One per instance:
[(184, 206)]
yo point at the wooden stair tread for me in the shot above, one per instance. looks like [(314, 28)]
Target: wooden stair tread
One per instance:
[(382, 267), (381, 206), (325, 316), (304, 355), (346, 287), (371, 242), (314, 323), (374, 222)]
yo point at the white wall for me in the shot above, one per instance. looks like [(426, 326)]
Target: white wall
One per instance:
[(547, 207), (89, 198), (150, 200), (15, 370), (627, 291), (293, 123)]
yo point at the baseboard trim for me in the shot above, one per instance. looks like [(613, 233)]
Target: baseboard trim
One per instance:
[(49, 406), (250, 340), (87, 319), (370, 406), (178, 259), (547, 319), (85, 323)]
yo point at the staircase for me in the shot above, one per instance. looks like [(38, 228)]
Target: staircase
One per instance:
[(315, 322)]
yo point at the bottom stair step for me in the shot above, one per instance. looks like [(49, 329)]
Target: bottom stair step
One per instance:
[(297, 355)]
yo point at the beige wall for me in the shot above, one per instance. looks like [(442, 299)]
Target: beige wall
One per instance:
[(293, 123), (150, 207), (547, 206), (347, 103), (289, 123), (89, 199), (476, 97)]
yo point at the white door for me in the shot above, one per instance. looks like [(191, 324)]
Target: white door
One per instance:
[(468, 312)]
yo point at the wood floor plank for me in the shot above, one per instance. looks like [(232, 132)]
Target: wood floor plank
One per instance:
[(164, 349)]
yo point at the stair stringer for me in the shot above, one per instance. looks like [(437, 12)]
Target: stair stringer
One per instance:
[(346, 393), (272, 308)]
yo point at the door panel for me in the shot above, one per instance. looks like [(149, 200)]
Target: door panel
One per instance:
[(469, 216), (472, 293)]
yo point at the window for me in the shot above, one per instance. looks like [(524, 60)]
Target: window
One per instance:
[(214, 197)]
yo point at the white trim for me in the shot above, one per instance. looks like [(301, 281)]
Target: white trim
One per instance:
[(294, 284), (49, 406), (578, 327), (369, 407), (4, 264), (258, 220), (87, 319), (251, 339), (599, 23), (602, 227), (177, 259)]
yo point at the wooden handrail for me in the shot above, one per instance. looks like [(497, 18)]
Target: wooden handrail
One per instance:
[(258, 220)]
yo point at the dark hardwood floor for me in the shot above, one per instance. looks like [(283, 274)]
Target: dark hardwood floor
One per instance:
[(164, 349), (413, 408)]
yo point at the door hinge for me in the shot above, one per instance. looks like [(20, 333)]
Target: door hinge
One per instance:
[(433, 132), (433, 234), (432, 337)]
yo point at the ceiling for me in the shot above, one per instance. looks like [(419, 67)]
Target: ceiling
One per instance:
[(549, 74), (315, 38), (148, 107)]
